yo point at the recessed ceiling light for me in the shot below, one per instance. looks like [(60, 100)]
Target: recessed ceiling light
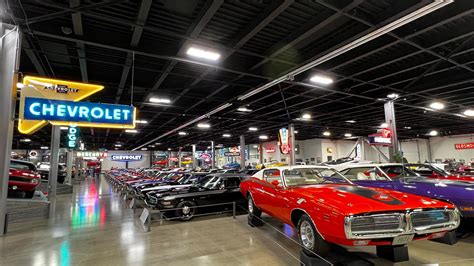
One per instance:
[(255, 146), (169, 149), (433, 133), (296, 131), (321, 79), (326, 133), (63, 128), (406, 127), (160, 100), (203, 125), (182, 133), (151, 146), (144, 149), (437, 105), (25, 140), (384, 125), (158, 143), (348, 135), (253, 128), (306, 116), (226, 135), (141, 121), (469, 112), (244, 109), (393, 96), (263, 137), (118, 145), (44, 148), (131, 131), (201, 53), (350, 121)]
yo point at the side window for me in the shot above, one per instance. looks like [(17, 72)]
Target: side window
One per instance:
[(271, 175), (233, 182)]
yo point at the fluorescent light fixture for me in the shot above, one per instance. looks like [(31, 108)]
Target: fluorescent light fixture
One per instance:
[(25, 140), (141, 121), (169, 149), (158, 143), (131, 131), (263, 137), (151, 146), (144, 149), (384, 125), (350, 121), (306, 116), (244, 109), (255, 146), (437, 105), (253, 129), (321, 79), (44, 148), (208, 147), (296, 131), (201, 53), (348, 135), (20, 85), (118, 145), (469, 112), (182, 133), (160, 100), (63, 128), (406, 127), (433, 133), (393, 96), (203, 125), (226, 135), (326, 133)]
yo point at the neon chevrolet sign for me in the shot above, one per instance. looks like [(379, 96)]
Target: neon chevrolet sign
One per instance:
[(56, 110), (127, 158)]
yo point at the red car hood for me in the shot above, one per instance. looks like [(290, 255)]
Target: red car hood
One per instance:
[(349, 199)]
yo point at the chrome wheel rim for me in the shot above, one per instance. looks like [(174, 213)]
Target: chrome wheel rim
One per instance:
[(307, 235), (250, 203), (186, 210)]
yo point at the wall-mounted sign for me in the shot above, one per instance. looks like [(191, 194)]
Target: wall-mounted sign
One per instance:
[(33, 154), (173, 159), (89, 154), (329, 149), (45, 100), (234, 149), (383, 138), (126, 157), (464, 146), (232, 154), (358, 151), (283, 136), (269, 148), (72, 133)]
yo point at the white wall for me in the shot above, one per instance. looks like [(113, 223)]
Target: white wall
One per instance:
[(443, 148), (107, 163)]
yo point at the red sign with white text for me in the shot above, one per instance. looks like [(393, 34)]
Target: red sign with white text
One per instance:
[(464, 146)]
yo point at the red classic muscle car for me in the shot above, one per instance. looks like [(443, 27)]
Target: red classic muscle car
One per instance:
[(325, 207), (23, 177)]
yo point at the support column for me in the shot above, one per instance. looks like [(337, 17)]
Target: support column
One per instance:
[(53, 162), (291, 128), (260, 153), (391, 122), (179, 156), (430, 155), (194, 156), (242, 152), (213, 155), (9, 54), (68, 167)]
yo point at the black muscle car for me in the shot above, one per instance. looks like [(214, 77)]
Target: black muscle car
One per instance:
[(212, 189)]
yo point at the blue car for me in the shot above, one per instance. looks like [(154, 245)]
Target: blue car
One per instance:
[(400, 178)]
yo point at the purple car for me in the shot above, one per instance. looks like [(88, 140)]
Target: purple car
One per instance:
[(400, 178)]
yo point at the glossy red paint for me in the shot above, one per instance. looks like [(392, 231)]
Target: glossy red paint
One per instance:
[(23, 180), (329, 204)]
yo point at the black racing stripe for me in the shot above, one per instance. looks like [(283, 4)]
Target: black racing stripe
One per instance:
[(371, 194)]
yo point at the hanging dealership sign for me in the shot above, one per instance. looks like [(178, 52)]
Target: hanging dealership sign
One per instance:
[(464, 146), (126, 157), (90, 154), (269, 148), (72, 135), (283, 136), (232, 154), (234, 149), (382, 138), (45, 100)]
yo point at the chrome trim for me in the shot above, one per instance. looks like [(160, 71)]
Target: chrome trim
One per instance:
[(406, 225)]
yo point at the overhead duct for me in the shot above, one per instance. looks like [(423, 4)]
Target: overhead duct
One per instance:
[(437, 4)]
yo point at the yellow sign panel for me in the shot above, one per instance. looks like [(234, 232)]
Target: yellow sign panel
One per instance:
[(53, 100)]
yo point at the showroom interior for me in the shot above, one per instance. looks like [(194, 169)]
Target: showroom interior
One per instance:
[(232, 132)]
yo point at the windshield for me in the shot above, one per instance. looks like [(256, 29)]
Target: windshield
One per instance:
[(21, 166), (210, 182), (44, 166), (397, 171), (311, 176)]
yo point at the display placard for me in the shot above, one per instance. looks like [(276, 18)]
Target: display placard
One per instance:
[(144, 215)]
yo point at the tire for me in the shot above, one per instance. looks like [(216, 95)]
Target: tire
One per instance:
[(253, 210), (29, 194), (186, 211), (310, 238)]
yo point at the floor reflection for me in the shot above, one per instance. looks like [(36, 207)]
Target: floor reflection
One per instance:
[(88, 211)]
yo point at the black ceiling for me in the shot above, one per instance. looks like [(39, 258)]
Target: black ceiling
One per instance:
[(120, 43)]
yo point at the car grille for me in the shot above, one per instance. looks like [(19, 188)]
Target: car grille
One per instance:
[(429, 218), (376, 223), (20, 179)]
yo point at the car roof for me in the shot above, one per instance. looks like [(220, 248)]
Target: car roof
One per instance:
[(299, 167), (371, 165), (227, 175)]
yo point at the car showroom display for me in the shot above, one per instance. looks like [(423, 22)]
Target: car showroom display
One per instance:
[(24, 177), (434, 172), (43, 169), (326, 208)]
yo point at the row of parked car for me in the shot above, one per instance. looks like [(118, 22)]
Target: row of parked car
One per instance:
[(354, 205)]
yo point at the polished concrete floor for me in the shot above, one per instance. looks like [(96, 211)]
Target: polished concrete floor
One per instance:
[(94, 227)]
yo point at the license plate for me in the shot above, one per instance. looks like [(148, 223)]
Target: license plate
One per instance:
[(402, 240)]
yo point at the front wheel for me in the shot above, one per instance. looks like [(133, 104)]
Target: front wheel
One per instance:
[(186, 210), (253, 210), (310, 238)]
